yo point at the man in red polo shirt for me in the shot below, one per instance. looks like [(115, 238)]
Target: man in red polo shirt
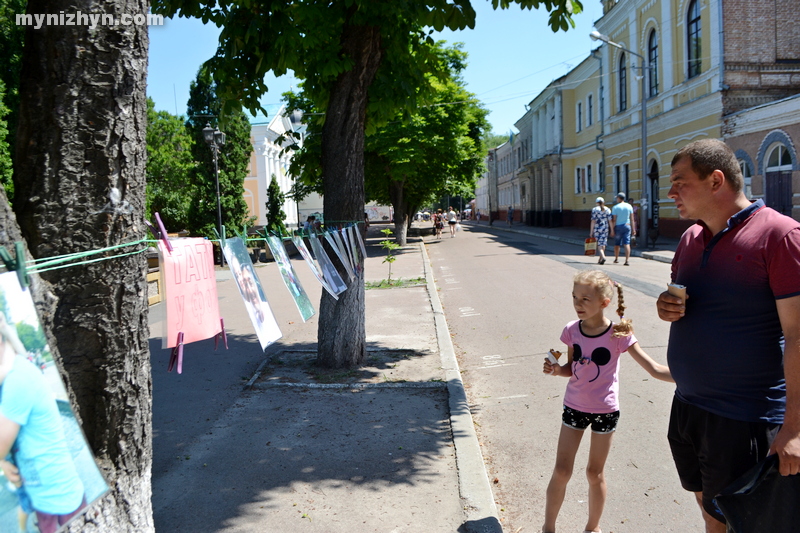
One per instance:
[(734, 345)]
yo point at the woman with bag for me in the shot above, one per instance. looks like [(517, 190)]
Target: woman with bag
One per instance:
[(601, 223)]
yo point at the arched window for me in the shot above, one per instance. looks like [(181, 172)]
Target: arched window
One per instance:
[(652, 57), (693, 36), (778, 180), (748, 179), (623, 83)]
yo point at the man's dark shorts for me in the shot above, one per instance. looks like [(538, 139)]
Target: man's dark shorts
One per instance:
[(601, 423), (622, 235), (711, 451)]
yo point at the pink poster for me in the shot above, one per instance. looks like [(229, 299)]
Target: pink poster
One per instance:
[(190, 290)]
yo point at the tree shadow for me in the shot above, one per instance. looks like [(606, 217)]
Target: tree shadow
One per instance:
[(348, 460)]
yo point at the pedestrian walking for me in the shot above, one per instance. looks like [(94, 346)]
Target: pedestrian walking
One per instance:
[(624, 225), (600, 227), (438, 223), (594, 346), (739, 322), (452, 220), (510, 215)]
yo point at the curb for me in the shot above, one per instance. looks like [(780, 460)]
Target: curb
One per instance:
[(473, 481)]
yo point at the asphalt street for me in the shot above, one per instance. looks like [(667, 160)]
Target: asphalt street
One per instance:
[(507, 298)]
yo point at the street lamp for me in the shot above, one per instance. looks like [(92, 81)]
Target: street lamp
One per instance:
[(597, 36), (215, 139)]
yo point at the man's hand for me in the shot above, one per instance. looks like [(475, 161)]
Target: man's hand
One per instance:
[(787, 446), (11, 472), (670, 308)]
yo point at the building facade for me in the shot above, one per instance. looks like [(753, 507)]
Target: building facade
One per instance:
[(267, 159), (667, 72)]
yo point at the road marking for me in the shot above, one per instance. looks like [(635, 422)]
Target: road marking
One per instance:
[(494, 361), (467, 311), (512, 397)]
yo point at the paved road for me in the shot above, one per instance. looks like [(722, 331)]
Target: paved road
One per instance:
[(507, 298)]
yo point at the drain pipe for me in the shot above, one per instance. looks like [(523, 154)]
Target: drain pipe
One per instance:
[(598, 141)]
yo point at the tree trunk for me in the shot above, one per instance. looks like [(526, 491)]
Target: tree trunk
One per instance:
[(341, 335), (401, 215), (79, 175)]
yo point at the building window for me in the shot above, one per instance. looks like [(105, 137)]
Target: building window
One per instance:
[(748, 178), (579, 117), (779, 159), (623, 83), (601, 176), (589, 110), (652, 57), (588, 178), (694, 38), (627, 175), (577, 181), (617, 180)]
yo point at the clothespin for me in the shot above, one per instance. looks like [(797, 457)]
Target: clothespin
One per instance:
[(221, 334), (17, 264), (177, 355), (163, 231)]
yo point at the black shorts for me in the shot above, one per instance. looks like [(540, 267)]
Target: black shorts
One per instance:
[(712, 451), (601, 423)]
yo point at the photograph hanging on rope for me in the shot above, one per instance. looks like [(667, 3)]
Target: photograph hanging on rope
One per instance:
[(249, 286), (300, 244), (329, 271), (290, 277), (48, 474), (189, 286)]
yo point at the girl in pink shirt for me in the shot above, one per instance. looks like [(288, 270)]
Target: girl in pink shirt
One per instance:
[(594, 345)]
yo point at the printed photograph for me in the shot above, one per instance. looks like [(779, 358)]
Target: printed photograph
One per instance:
[(48, 474), (290, 277), (249, 285)]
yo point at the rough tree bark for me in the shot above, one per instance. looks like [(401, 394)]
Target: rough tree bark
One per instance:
[(341, 335), (402, 219), (79, 174)]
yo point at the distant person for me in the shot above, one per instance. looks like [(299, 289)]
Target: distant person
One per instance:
[(600, 227), (734, 342), (510, 215), (452, 220), (32, 433), (438, 223), (624, 225), (594, 345)]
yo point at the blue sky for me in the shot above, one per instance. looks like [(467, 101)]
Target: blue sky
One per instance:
[(513, 55)]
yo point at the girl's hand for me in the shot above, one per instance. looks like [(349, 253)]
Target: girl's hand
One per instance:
[(550, 368)]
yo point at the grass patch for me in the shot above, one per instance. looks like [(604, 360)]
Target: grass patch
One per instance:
[(394, 283)]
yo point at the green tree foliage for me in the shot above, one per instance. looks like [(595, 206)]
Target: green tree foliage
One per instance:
[(435, 151), (12, 38), (358, 58), (205, 108), (493, 140), (6, 169), (170, 168), (275, 214)]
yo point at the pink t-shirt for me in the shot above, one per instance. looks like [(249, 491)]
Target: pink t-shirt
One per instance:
[(594, 385)]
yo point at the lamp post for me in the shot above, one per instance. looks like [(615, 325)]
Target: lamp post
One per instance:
[(215, 139), (597, 36)]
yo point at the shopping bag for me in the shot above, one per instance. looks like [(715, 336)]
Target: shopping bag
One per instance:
[(458, 226), (590, 246), (762, 500)]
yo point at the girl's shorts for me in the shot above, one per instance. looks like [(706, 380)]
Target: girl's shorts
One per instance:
[(601, 423)]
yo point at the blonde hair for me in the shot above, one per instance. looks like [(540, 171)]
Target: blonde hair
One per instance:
[(9, 335), (604, 285)]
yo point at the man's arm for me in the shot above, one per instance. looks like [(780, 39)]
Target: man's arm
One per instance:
[(787, 442), (8, 434)]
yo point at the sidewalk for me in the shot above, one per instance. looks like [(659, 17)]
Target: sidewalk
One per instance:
[(663, 251), (271, 443)]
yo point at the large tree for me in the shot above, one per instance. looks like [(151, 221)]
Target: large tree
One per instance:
[(170, 168), (435, 151), (79, 168), (205, 109), (353, 55)]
